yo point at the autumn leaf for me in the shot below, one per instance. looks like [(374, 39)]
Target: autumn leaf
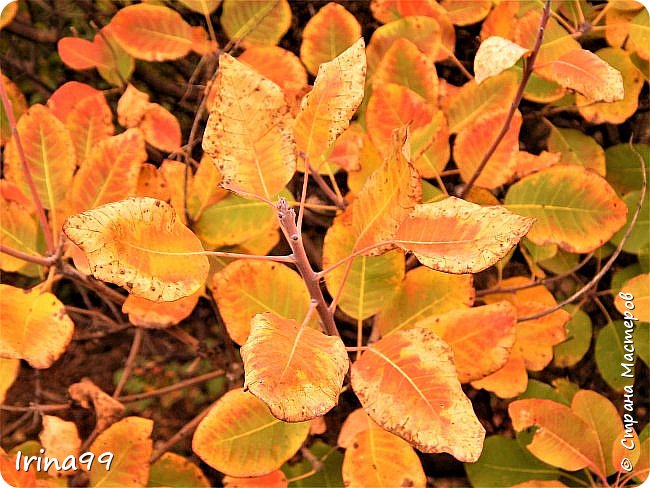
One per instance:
[(240, 437), (89, 121), (249, 131), (466, 12), (256, 22), (494, 55), (456, 236), (407, 383), (242, 291), (131, 106), (138, 243), (280, 66), (175, 471), (9, 370), (18, 231), (149, 314), (639, 306), (326, 110), (274, 479), (327, 34), (161, 128), (297, 371), (575, 147), (18, 105), (35, 326), (573, 207), (586, 73), (60, 440)]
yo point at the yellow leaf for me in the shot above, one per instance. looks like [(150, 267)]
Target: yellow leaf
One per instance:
[(240, 437), (467, 12), (9, 369), (18, 231), (145, 313), (275, 479), (35, 326), (456, 236), (297, 371), (326, 110), (60, 440), (138, 243), (494, 55), (249, 131), (407, 383), (256, 22)]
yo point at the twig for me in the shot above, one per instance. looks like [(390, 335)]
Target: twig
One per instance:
[(57, 407), (169, 389), (528, 70), (186, 430), (43, 36), (594, 281), (93, 284), (130, 361), (40, 260), (339, 202), (303, 195), (40, 211), (287, 218)]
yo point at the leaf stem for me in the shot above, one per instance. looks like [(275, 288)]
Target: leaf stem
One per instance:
[(40, 210), (320, 181), (287, 218), (528, 70), (40, 260)]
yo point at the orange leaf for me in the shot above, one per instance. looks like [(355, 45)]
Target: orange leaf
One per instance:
[(357, 421), (35, 326), (500, 21), (249, 131), (130, 442), (161, 129), (407, 383), (110, 173), (562, 439), (528, 163), (204, 189), (178, 471), (480, 337), (379, 458), (405, 65), (79, 54), (89, 121), (327, 34), (138, 243), (494, 55), (467, 12), (174, 174), (280, 66), (152, 183), (242, 291), (297, 371), (456, 236), (240, 437), (256, 22), (9, 370), (60, 440), (151, 32), (275, 479), (131, 106), (326, 111), (586, 73), (509, 381), (473, 141), (148, 314), (422, 293)]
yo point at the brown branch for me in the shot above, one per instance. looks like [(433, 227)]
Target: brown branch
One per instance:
[(40, 260), (169, 389), (93, 284), (130, 361), (43, 36), (322, 184), (528, 70), (186, 430), (40, 210), (287, 218), (40, 408)]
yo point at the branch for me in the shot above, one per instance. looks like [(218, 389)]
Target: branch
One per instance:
[(130, 361), (187, 429), (43, 36), (40, 260), (169, 389), (339, 202), (528, 70)]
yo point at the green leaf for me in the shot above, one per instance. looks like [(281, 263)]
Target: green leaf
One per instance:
[(576, 148), (610, 352), (505, 463), (579, 329), (537, 389), (637, 242), (174, 471), (329, 476), (624, 166)]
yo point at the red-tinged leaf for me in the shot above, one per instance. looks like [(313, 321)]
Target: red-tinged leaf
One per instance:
[(80, 54), (528, 163), (130, 442), (175, 471), (158, 315), (249, 131), (407, 383), (242, 291), (379, 458), (139, 244), (356, 422), (118, 65), (151, 32), (404, 64), (8, 13), (430, 148), (456, 236), (297, 371), (49, 155), (575, 147), (473, 100), (18, 231), (240, 437), (275, 479), (392, 107), (467, 12), (562, 439), (422, 31), (131, 106), (256, 22), (424, 292), (280, 66), (18, 105), (201, 44), (586, 73), (12, 476), (346, 151), (110, 173), (481, 337), (327, 34), (473, 142), (89, 121), (326, 110), (152, 183), (494, 55), (573, 207), (500, 21), (161, 129), (615, 112), (639, 288), (389, 10), (509, 381), (35, 326)]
